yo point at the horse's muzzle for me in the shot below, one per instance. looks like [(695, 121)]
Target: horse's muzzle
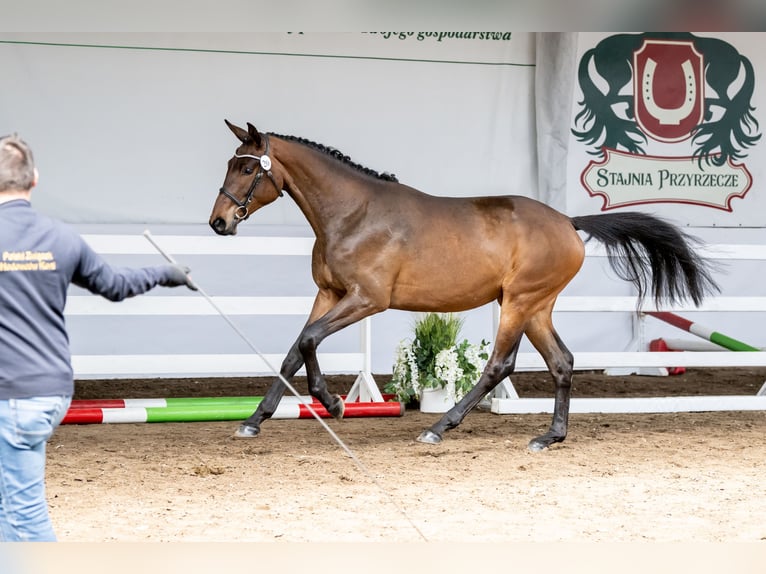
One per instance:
[(219, 226)]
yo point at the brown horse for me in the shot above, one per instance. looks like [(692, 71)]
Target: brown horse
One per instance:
[(383, 245)]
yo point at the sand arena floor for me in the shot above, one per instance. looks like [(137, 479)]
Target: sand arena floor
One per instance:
[(652, 477)]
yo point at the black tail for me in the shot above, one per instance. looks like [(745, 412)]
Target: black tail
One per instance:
[(652, 254)]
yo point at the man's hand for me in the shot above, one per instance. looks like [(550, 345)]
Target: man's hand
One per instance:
[(177, 275)]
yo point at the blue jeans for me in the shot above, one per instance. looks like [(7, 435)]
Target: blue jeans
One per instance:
[(25, 427)]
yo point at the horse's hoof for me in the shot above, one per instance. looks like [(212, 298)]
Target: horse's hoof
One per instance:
[(536, 445), (429, 437), (247, 431), (337, 408), (540, 443)]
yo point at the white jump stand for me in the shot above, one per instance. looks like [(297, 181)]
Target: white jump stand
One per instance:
[(504, 390), (364, 390), (637, 343)]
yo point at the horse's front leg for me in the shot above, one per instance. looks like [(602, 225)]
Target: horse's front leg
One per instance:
[(317, 385), (293, 361), (268, 406), (349, 310)]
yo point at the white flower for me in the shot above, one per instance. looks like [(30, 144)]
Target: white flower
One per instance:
[(405, 370), (414, 373), (448, 369), (400, 363), (472, 356)]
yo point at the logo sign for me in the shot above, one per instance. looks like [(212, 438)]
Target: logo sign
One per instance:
[(668, 89), (624, 179), (669, 117)]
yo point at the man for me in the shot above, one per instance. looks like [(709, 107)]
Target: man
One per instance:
[(39, 258)]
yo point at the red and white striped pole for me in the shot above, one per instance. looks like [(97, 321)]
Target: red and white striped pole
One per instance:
[(701, 331)]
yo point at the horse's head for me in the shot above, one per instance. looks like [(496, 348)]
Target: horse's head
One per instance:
[(245, 189)]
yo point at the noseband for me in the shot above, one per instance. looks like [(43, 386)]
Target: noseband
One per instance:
[(264, 166)]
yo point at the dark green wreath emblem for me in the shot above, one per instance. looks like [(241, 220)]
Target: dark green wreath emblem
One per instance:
[(728, 127)]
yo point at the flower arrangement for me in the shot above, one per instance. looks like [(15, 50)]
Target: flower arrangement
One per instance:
[(434, 359)]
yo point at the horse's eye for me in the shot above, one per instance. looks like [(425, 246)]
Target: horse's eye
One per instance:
[(247, 170)]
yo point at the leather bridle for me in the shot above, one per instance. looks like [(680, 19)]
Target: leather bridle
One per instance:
[(264, 166)]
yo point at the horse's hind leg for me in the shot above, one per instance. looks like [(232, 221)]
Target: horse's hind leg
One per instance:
[(268, 406), (560, 363), (500, 364)]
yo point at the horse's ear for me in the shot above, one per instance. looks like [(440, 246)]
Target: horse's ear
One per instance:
[(241, 134), (254, 134)]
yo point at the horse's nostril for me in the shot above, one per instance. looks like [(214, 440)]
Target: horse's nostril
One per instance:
[(218, 225)]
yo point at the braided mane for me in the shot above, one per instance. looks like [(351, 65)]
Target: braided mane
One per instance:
[(340, 156)]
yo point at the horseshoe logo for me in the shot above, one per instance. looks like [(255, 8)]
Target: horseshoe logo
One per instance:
[(669, 116), (668, 89)]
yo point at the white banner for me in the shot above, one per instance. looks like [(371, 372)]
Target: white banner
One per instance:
[(129, 127)]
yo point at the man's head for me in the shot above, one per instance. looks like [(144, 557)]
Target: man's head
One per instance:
[(17, 165)]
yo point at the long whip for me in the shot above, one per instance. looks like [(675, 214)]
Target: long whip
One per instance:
[(290, 387)]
